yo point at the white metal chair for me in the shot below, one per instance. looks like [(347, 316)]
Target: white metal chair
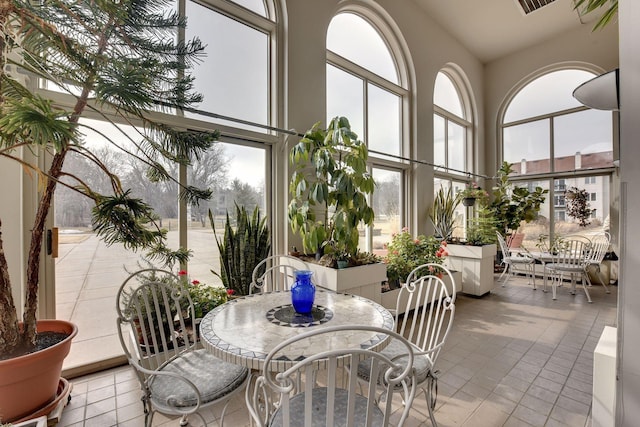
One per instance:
[(157, 330), (322, 389), (429, 307), (571, 259), (275, 273), (509, 260), (599, 248)]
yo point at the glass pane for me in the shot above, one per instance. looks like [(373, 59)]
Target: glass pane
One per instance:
[(439, 150), (583, 140), (89, 272), (540, 226), (547, 94), (445, 95), (234, 84), (355, 39), (599, 200), (237, 175), (383, 120), (460, 211), (527, 146), (387, 205), (457, 147), (345, 97), (256, 6)]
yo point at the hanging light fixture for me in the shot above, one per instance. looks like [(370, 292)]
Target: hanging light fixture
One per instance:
[(601, 93)]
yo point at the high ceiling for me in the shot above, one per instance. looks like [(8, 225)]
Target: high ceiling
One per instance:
[(491, 29)]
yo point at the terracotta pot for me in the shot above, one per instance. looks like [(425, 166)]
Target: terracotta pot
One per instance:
[(30, 382)]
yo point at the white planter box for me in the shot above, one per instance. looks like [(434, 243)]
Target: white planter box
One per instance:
[(476, 265), (364, 280), (390, 299)]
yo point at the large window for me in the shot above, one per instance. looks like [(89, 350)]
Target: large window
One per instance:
[(237, 79), (451, 128), (547, 133), (364, 84)]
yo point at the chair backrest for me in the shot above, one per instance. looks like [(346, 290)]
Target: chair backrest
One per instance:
[(503, 245), (275, 273), (599, 248), (428, 300), (573, 252), (324, 388), (155, 317)]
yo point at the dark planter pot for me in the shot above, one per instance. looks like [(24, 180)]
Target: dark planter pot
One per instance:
[(30, 382), (469, 201)]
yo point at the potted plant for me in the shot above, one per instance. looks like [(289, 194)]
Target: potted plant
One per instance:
[(511, 205), (471, 193), (442, 213), (109, 60), (329, 188), (241, 249), (404, 254), (578, 205)]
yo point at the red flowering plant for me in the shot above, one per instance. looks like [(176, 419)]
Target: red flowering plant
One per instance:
[(204, 297), (405, 253)]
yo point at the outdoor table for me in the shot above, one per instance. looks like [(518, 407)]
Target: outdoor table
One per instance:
[(245, 329)]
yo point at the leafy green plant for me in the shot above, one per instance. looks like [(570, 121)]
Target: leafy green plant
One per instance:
[(473, 191), (123, 58), (578, 207), (442, 213), (405, 253), (481, 229), (587, 6), (204, 297), (241, 249), (329, 188), (511, 205)]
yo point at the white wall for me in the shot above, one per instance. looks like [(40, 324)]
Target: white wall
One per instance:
[(579, 46), (628, 407)]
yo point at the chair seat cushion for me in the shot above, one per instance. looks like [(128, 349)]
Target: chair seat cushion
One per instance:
[(565, 267), (213, 377), (421, 363), (319, 410), (518, 260)]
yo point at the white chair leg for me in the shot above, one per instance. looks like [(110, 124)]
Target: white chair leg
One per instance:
[(586, 290), (506, 269)]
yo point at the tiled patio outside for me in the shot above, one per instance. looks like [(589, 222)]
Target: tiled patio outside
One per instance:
[(515, 357)]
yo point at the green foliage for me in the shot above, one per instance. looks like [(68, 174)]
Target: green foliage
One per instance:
[(204, 297), (511, 205), (481, 229), (578, 207), (442, 213), (329, 188), (117, 57), (587, 6), (241, 249), (405, 253)]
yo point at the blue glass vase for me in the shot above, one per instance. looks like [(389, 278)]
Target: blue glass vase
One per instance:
[(303, 292)]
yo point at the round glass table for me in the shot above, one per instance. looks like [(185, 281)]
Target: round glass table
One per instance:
[(244, 330)]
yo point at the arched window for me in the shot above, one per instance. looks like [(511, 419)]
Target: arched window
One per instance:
[(366, 84), (452, 138), (549, 135), (451, 128)]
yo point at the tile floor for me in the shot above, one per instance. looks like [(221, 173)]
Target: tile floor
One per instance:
[(514, 357)]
